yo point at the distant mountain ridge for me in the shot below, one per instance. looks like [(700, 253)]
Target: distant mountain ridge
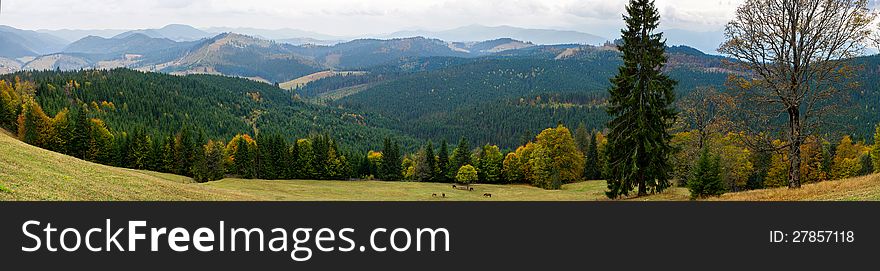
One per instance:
[(175, 32), (482, 33), (15, 43), (134, 43), (171, 50)]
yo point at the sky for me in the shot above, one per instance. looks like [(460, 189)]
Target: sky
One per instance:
[(355, 18)]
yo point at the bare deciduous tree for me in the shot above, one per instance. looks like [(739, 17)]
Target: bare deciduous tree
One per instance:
[(792, 52), (706, 110)]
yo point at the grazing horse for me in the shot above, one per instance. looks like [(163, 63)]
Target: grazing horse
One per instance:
[(470, 189), (434, 195), (487, 195), (454, 187)]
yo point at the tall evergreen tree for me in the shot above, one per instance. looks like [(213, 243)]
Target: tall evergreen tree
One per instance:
[(200, 171), (591, 166), (443, 163), (391, 162), (428, 163), (295, 170), (216, 155), (582, 137), (461, 156), (244, 164), (79, 140), (640, 104), (183, 152), (167, 157)]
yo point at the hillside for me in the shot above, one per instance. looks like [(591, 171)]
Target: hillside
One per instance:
[(131, 44), (160, 104), (299, 82), (239, 55), (31, 173), (15, 43), (498, 99)]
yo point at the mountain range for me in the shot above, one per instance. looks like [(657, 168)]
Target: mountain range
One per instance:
[(482, 33), (498, 90), (264, 55)]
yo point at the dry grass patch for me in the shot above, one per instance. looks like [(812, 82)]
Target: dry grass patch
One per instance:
[(861, 188)]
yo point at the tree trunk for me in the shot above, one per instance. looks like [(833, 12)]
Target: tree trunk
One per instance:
[(794, 174), (643, 191)]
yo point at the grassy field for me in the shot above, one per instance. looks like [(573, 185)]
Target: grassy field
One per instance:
[(30, 173), (415, 191), (298, 82)]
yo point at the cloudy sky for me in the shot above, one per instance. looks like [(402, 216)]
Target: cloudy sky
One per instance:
[(353, 17)]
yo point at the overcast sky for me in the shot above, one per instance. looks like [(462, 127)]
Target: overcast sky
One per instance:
[(352, 17)]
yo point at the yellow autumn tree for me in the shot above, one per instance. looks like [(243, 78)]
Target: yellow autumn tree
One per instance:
[(10, 104), (100, 142), (812, 167), (510, 168), (525, 168), (566, 161), (34, 126), (777, 173), (847, 161)]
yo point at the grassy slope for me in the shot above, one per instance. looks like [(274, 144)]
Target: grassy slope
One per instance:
[(30, 173), (298, 82), (861, 188)]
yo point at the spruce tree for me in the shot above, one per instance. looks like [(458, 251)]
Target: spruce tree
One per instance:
[(167, 163), (443, 163), (242, 160), (430, 162), (391, 162), (200, 171), (706, 180), (461, 156), (79, 141), (591, 167), (582, 138), (183, 152), (640, 105)]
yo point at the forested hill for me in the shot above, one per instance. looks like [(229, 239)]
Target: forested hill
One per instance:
[(222, 107), (502, 99)]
